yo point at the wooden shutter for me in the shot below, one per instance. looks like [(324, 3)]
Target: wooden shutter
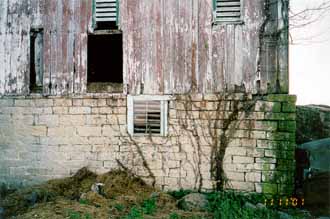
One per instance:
[(106, 11), (147, 116), (227, 10)]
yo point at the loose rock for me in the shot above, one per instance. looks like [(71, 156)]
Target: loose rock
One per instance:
[(283, 215), (193, 202), (249, 205)]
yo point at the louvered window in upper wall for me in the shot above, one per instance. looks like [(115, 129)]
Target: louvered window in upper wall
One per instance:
[(227, 10), (147, 115), (106, 13)]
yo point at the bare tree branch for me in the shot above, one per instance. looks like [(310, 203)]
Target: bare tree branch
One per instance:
[(303, 19)]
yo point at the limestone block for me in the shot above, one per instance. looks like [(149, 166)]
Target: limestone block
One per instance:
[(24, 102), (236, 151), (287, 126), (235, 176), (77, 102), (253, 177), (255, 152), (102, 110), (44, 102), (289, 107), (37, 130), (80, 110), (63, 102), (263, 166), (61, 131), (6, 102), (280, 116), (265, 106), (117, 119), (101, 102), (248, 142), (264, 125), (48, 120), (243, 186), (96, 120), (281, 136), (251, 115), (281, 98), (60, 110), (89, 131), (242, 159), (72, 120), (265, 160), (90, 102), (111, 130)]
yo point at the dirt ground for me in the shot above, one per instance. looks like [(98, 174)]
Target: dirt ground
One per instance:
[(121, 195)]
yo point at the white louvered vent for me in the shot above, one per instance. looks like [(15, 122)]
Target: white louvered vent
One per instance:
[(228, 10), (106, 10), (147, 114), (147, 117)]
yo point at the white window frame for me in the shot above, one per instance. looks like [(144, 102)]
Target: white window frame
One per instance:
[(163, 112)]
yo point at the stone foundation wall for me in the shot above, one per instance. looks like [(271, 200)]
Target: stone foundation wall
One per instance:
[(233, 141)]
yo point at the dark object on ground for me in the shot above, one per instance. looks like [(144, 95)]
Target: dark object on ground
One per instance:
[(313, 175), (302, 164), (317, 194), (313, 123), (2, 213), (319, 154)]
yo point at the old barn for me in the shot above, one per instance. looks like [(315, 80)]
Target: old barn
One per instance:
[(187, 94)]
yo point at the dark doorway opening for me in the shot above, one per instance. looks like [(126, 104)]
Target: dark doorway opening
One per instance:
[(105, 62), (36, 60), (106, 25)]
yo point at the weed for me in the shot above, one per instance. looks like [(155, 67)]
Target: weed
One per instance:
[(88, 216), (149, 206), (230, 205), (119, 207), (83, 201), (74, 215), (135, 213), (174, 216)]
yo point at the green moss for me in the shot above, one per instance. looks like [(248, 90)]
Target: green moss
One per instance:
[(288, 107), (282, 136), (280, 179), (280, 116), (281, 98), (287, 126), (269, 188)]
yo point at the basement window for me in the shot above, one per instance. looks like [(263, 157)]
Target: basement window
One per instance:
[(227, 11), (105, 63), (147, 115), (36, 60), (106, 14)]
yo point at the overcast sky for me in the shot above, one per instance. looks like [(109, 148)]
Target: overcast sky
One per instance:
[(310, 59)]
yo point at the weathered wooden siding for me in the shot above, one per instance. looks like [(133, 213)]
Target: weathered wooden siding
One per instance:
[(170, 46), (65, 26)]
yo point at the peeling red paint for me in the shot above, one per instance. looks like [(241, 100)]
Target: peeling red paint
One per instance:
[(170, 46)]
